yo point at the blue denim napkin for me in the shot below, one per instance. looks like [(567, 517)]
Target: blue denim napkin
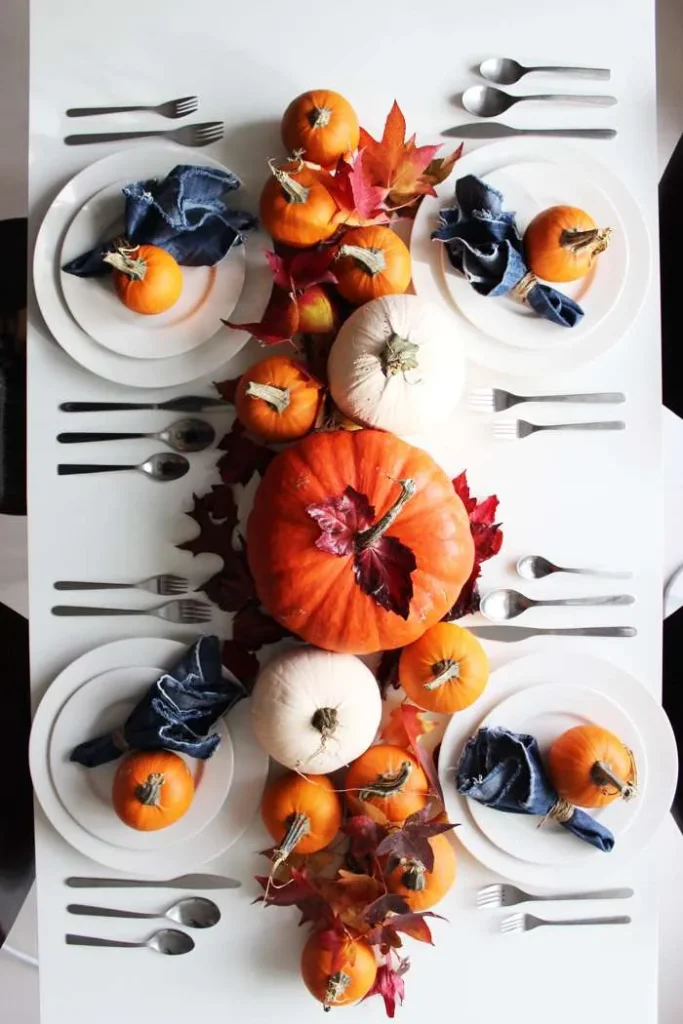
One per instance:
[(183, 214), (176, 713), (483, 243), (503, 770)]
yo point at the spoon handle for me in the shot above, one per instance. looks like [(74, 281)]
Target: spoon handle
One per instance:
[(91, 940), (587, 602), (86, 911), (601, 74), (598, 573), (592, 101), (85, 437), (70, 469)]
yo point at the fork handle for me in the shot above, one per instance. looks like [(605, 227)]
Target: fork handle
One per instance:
[(65, 610), (83, 910), (600, 894), (91, 940), (73, 585), (599, 398), (599, 425), (88, 111), (71, 469), (77, 438), (83, 140), (622, 919)]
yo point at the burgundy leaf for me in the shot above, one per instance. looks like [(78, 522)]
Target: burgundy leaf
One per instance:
[(484, 513), (254, 628), (297, 892), (387, 672), (386, 934), (366, 834), (280, 271), (389, 985), (243, 456), (242, 662), (354, 191), (488, 538), (411, 841), (462, 489), (487, 541), (387, 904), (383, 570), (340, 518), (227, 389), (214, 536), (468, 599), (222, 506), (233, 586), (280, 320), (309, 267)]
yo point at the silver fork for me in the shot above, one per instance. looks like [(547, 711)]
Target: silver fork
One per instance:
[(184, 613), (498, 400), (504, 895), (189, 135), (527, 922), (172, 108), (165, 585), (511, 430)]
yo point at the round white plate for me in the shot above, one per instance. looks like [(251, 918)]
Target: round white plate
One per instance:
[(251, 768), (209, 293), (657, 740), (546, 712), (132, 164), (429, 279), (98, 707), (529, 188)]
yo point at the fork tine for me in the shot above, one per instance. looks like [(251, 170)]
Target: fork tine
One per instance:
[(182, 109), (514, 923)]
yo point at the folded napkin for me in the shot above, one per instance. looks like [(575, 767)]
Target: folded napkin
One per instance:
[(183, 214), (483, 243), (503, 770), (176, 713)]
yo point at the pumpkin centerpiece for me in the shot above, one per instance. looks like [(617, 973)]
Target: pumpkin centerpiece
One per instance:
[(303, 813), (591, 767), (563, 242), (321, 125), (340, 976), (147, 279), (422, 885), (444, 670), (389, 778), (295, 207), (371, 262), (277, 399), (357, 541), (152, 790)]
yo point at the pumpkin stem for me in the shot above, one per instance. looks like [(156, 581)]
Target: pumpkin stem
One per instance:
[(298, 826), (602, 775), (366, 538), (398, 356), (371, 260), (387, 784), (122, 260), (276, 398), (595, 240), (149, 792), (336, 987), (294, 190), (319, 117), (414, 875), (325, 721), (443, 671)]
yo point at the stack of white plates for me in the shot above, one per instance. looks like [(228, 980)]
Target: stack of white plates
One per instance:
[(506, 335), (544, 695), (96, 329)]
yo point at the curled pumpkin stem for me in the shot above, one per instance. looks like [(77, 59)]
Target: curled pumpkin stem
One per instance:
[(595, 240), (388, 783), (371, 260), (602, 775), (294, 190)]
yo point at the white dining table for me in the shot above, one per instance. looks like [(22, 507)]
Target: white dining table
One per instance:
[(588, 499)]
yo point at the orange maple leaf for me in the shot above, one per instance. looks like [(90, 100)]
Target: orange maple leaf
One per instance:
[(397, 164), (349, 896), (395, 729)]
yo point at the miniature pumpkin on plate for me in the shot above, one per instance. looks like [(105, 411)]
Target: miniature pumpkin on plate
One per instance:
[(423, 889), (152, 790), (147, 279), (303, 813), (339, 976), (563, 242), (444, 670), (591, 767), (322, 125), (277, 399), (390, 779), (371, 262)]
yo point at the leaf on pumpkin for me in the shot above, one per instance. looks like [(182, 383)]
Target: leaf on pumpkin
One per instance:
[(227, 389), (411, 841), (242, 662), (354, 192), (387, 672), (279, 322), (243, 456), (254, 628), (365, 833), (389, 984), (396, 163), (413, 725), (488, 538), (349, 896), (394, 730), (389, 903)]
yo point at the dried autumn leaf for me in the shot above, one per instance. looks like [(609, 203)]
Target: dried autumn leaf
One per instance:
[(243, 456), (279, 322), (414, 729), (394, 730), (354, 193), (365, 833), (242, 662), (488, 538), (254, 628), (227, 389), (389, 984), (437, 171), (389, 903), (411, 841), (387, 935), (233, 586), (299, 891), (387, 672), (396, 163), (349, 896), (215, 536)]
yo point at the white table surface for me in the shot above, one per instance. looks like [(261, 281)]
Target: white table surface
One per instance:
[(574, 498)]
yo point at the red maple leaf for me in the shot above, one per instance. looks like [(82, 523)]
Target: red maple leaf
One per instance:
[(233, 586), (389, 984), (411, 841), (243, 456), (254, 628), (296, 270), (488, 538), (242, 662), (396, 163), (279, 322), (365, 833), (382, 567), (387, 672), (387, 934), (227, 389), (394, 730), (354, 192), (298, 891)]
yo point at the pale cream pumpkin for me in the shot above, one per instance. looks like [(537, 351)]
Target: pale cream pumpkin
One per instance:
[(397, 364)]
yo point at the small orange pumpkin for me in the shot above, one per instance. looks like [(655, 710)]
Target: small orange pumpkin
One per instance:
[(390, 779), (338, 977), (562, 243), (445, 670), (277, 399), (322, 125), (146, 278), (296, 208), (371, 262), (591, 767), (420, 888), (152, 790), (303, 813)]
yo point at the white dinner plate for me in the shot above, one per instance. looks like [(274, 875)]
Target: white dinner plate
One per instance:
[(237, 813), (209, 293), (545, 712), (528, 189), (429, 279), (656, 737), (145, 162), (98, 707)]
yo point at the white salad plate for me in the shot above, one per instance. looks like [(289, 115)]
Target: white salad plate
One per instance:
[(145, 162), (652, 737), (99, 706), (224, 829), (209, 293), (545, 712), (499, 333)]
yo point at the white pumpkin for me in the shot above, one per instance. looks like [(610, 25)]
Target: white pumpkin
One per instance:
[(314, 710), (397, 364)]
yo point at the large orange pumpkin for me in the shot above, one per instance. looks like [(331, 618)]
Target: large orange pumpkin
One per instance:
[(338, 977), (147, 279), (562, 243), (390, 779), (371, 262), (420, 888), (277, 399), (338, 520), (152, 790), (322, 125), (444, 670), (295, 206), (591, 767), (303, 813)]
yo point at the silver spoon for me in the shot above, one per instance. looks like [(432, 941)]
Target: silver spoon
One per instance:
[(168, 941), (163, 466), (487, 101), (191, 912), (535, 567), (505, 71), (502, 605), (188, 435)]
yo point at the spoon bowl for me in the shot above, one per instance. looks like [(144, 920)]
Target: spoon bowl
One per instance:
[(487, 101), (164, 466), (503, 605), (188, 435), (502, 70), (535, 567), (194, 912), (170, 942)]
